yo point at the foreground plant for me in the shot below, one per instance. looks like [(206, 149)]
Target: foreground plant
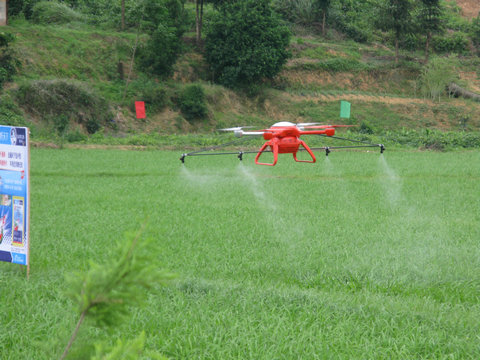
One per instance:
[(106, 291)]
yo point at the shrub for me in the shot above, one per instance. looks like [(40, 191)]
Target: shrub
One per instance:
[(366, 128), (303, 12), (9, 112), (52, 12), (192, 102), (355, 19), (8, 60), (457, 43), (76, 100), (161, 51), (476, 33), (436, 75), (17, 7), (75, 136), (245, 43), (155, 95)]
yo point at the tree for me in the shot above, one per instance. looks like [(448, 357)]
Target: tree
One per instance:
[(199, 16), (323, 5), (246, 42), (160, 52), (396, 16), (476, 33), (123, 14), (430, 21), (198, 20), (166, 24)]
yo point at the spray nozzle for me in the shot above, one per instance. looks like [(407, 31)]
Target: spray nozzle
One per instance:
[(240, 155), (327, 151), (182, 158)]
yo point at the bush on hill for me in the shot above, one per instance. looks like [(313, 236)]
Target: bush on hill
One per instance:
[(50, 99), (8, 61), (160, 53), (52, 12), (436, 76), (192, 102), (476, 33)]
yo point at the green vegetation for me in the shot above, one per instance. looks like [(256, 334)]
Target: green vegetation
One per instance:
[(52, 12), (106, 293), (71, 99), (8, 61), (363, 256), (436, 76), (192, 102), (246, 43)]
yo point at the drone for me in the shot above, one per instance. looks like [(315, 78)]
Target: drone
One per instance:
[(284, 138)]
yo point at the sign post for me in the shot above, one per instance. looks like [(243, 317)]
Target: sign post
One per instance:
[(15, 195)]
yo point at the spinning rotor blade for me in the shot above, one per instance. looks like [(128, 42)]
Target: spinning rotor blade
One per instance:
[(238, 131), (327, 126), (260, 132), (238, 128), (306, 124)]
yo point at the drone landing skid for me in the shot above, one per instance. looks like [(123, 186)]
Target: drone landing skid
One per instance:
[(287, 145)]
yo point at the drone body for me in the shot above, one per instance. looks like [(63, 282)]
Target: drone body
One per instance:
[(284, 138)]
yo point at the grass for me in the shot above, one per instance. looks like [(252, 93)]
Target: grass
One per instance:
[(358, 256)]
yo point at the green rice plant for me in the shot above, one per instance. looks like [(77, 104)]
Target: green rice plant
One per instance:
[(359, 255)]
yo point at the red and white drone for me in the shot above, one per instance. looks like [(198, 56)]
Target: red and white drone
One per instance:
[(284, 138)]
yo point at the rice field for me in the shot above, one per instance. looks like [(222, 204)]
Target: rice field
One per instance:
[(359, 256)]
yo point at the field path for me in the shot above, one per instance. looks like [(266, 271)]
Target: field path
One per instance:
[(360, 97)]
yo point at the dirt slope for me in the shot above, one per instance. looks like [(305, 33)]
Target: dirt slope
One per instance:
[(470, 8)]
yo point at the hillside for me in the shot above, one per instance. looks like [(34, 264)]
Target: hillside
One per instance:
[(470, 8), (321, 73)]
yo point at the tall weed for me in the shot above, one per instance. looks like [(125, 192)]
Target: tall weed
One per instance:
[(436, 75)]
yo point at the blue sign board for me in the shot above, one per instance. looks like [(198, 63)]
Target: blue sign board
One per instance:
[(14, 195)]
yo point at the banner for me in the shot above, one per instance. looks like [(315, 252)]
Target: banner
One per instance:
[(14, 195), (140, 109), (344, 109)]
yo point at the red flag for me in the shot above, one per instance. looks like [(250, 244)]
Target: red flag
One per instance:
[(140, 109)]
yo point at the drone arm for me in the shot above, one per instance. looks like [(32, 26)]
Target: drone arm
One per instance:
[(328, 132)]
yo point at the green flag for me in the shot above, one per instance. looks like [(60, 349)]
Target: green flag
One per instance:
[(344, 109)]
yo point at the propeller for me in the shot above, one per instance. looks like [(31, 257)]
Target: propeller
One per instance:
[(327, 126), (238, 128), (306, 124), (238, 131)]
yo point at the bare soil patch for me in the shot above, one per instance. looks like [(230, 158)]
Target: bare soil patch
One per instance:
[(470, 8)]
